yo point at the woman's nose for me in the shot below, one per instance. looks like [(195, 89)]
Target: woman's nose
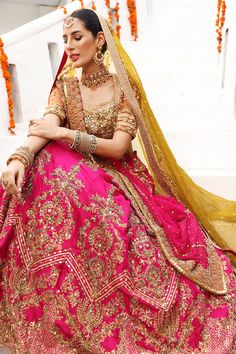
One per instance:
[(69, 45)]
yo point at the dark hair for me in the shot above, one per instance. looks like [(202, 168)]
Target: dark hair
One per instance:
[(91, 22)]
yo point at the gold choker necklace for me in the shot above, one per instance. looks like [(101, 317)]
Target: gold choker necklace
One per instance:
[(95, 79)]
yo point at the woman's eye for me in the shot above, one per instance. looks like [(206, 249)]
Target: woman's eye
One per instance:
[(76, 38)]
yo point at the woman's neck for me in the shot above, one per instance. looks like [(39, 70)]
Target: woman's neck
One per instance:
[(92, 68), (97, 78)]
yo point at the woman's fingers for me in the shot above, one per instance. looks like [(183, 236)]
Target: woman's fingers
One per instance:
[(20, 179), (32, 121), (33, 130), (4, 182), (11, 185), (11, 189), (35, 121)]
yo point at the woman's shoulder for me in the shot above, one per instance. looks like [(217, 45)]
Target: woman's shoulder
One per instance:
[(133, 86)]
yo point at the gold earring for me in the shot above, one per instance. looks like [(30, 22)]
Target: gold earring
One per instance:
[(98, 57)]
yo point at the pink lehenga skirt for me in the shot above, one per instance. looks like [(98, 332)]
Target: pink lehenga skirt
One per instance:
[(83, 268)]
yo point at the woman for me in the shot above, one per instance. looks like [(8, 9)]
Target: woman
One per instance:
[(93, 260)]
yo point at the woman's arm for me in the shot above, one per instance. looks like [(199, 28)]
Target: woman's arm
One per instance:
[(51, 123), (124, 130), (13, 175), (54, 116), (108, 148)]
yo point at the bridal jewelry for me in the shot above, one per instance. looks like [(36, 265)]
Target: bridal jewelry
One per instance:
[(98, 57), (97, 78), (69, 22), (23, 154), (84, 142)]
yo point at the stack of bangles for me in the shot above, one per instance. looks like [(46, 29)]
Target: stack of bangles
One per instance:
[(84, 142), (23, 154)]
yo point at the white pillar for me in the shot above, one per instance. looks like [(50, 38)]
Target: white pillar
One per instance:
[(4, 112)]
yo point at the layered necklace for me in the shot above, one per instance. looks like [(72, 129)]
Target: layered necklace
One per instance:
[(96, 78)]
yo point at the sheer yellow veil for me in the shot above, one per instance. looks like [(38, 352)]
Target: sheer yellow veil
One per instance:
[(216, 215)]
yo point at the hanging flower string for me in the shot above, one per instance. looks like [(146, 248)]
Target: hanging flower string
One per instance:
[(82, 3), (94, 6), (221, 8), (117, 16), (7, 77), (131, 4), (108, 5), (133, 18)]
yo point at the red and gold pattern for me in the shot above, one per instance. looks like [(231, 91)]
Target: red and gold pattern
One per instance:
[(83, 267), (221, 8), (7, 77)]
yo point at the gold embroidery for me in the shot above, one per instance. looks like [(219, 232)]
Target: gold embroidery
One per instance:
[(57, 110), (73, 104), (101, 120), (126, 122), (56, 102), (212, 279)]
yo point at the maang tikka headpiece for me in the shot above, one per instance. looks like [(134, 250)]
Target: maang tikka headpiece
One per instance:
[(69, 21)]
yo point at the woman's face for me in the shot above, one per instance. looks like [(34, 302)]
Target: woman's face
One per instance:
[(80, 44)]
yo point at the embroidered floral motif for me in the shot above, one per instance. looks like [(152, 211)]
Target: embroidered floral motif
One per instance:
[(86, 265)]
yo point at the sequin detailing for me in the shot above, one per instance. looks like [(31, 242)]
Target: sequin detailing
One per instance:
[(104, 119), (57, 110), (89, 258), (81, 271), (56, 103), (101, 120)]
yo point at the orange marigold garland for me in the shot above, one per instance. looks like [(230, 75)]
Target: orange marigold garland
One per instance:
[(133, 18), (7, 77), (221, 8), (62, 8), (94, 6), (108, 5), (117, 16), (82, 3)]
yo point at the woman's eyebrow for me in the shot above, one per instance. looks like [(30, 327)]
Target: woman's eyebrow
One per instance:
[(64, 35)]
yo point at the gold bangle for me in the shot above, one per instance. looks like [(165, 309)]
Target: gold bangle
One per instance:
[(23, 154)]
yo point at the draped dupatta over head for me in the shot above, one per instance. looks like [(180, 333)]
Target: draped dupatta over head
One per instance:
[(216, 215)]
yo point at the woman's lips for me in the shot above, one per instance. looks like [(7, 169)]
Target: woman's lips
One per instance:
[(74, 57)]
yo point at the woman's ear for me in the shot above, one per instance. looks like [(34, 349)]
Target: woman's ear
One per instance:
[(100, 39)]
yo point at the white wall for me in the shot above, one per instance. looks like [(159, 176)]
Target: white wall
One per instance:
[(14, 15)]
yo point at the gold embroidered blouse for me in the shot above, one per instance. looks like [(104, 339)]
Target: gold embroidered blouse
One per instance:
[(101, 120)]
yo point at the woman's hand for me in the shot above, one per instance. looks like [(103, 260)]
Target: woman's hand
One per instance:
[(12, 177), (44, 129)]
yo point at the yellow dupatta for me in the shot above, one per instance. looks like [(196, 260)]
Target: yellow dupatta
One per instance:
[(216, 215)]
